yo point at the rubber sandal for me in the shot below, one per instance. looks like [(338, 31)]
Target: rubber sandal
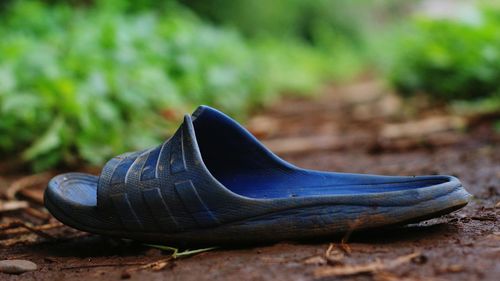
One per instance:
[(212, 182)]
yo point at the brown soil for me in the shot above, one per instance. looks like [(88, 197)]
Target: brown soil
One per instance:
[(349, 126)]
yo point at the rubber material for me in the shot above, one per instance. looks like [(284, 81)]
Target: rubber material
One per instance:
[(212, 182)]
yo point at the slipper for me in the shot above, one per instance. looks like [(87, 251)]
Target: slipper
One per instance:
[(213, 182)]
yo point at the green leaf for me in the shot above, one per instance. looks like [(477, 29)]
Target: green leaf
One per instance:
[(177, 254), (50, 140)]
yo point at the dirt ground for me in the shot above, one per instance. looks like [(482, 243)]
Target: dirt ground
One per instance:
[(360, 128)]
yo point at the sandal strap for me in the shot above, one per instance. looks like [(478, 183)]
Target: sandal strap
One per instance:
[(156, 189)]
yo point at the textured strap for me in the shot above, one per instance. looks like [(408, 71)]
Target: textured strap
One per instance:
[(157, 189), (114, 169)]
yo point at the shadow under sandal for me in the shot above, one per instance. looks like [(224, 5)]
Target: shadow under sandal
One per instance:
[(215, 183)]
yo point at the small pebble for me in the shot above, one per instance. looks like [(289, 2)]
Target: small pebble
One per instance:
[(17, 266)]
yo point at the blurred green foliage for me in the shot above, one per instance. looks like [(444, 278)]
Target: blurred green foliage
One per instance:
[(310, 20), (91, 79), (352, 36), (451, 59)]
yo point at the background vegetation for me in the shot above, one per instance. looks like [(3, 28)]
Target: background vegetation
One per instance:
[(452, 59), (85, 80)]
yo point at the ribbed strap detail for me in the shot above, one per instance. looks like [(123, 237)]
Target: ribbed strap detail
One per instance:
[(155, 189)]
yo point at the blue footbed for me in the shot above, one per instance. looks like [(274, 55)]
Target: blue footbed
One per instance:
[(84, 191), (243, 165)]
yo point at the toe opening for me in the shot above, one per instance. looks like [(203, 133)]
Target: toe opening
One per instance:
[(74, 189)]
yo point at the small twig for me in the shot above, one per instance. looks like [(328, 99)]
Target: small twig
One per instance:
[(387, 276), (14, 241), (329, 250), (333, 256), (25, 229), (7, 206), (37, 214), (373, 267), (39, 232), (484, 218), (156, 266), (28, 237), (343, 244), (104, 265), (10, 224), (19, 227), (25, 182), (34, 195)]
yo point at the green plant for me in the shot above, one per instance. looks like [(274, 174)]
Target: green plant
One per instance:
[(175, 251), (450, 59), (86, 83)]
